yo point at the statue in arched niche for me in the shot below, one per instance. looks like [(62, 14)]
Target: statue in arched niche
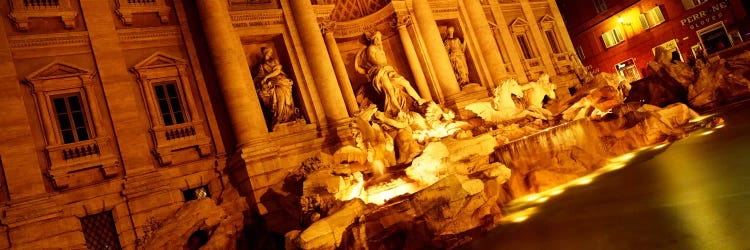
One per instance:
[(396, 91), (456, 49), (275, 89)]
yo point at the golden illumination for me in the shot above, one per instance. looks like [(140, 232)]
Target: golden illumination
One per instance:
[(707, 132), (701, 118)]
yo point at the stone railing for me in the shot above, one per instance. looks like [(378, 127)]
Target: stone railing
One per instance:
[(180, 136), (533, 67), (126, 9), (22, 10), (65, 159), (562, 62)]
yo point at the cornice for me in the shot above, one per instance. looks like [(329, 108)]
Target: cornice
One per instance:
[(51, 40)]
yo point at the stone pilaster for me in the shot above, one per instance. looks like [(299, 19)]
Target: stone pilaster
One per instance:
[(487, 44), (19, 160), (536, 35), (232, 71), (507, 40), (129, 122), (400, 23), (435, 49), (339, 67)]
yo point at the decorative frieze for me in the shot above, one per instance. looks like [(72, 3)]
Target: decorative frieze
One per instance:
[(149, 34), (49, 40), (249, 18)]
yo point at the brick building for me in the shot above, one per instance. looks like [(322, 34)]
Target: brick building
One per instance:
[(620, 36), (117, 112)]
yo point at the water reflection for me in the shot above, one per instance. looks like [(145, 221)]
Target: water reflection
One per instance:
[(690, 194)]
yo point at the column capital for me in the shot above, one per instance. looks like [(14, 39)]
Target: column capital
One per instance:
[(400, 20), (326, 26)]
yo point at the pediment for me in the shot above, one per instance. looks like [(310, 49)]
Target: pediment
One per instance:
[(58, 70), (547, 18), (159, 59), (519, 22)]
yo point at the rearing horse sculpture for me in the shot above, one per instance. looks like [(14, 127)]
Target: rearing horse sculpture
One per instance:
[(535, 92), (503, 108)]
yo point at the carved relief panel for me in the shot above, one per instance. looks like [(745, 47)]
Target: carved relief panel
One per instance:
[(175, 121), (70, 115)]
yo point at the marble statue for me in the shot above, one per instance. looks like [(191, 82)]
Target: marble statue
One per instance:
[(503, 108), (456, 48), (534, 93), (398, 94), (275, 89)]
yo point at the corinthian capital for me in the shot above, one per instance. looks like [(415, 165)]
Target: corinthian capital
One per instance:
[(400, 20), (326, 26)]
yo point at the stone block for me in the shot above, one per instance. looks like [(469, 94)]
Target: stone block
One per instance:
[(31, 232)]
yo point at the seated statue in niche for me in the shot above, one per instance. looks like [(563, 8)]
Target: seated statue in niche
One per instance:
[(456, 49), (396, 92), (275, 89)]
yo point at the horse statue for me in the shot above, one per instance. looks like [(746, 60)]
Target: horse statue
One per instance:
[(535, 92), (503, 107)]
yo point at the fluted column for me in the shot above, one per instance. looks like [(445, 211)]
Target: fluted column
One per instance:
[(319, 60), (435, 48), (411, 56), (232, 71), (339, 67), (487, 43), (507, 41), (536, 34)]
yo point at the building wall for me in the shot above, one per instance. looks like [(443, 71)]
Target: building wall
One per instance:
[(639, 42), (135, 168)]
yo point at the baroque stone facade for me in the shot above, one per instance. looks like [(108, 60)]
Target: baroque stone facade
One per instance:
[(123, 109)]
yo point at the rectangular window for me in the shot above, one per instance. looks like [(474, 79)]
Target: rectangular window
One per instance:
[(600, 5), (579, 50), (552, 41), (689, 4), (169, 103), (613, 37), (524, 44), (99, 231), (71, 117), (652, 18)]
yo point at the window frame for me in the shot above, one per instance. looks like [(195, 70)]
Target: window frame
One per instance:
[(84, 110), (161, 68), (62, 79), (613, 33), (649, 15)]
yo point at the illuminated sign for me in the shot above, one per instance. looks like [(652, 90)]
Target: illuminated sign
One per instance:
[(706, 16), (624, 64)]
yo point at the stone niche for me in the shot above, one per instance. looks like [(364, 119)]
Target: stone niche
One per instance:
[(460, 33), (252, 46)]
